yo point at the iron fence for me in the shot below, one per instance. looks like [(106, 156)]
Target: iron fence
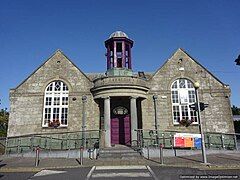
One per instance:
[(152, 138), (49, 141)]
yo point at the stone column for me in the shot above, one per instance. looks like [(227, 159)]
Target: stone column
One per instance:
[(133, 109), (107, 122)]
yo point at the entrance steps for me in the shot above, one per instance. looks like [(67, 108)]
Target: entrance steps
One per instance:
[(119, 152)]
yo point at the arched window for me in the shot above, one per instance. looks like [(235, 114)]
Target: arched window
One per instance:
[(183, 94), (55, 104)]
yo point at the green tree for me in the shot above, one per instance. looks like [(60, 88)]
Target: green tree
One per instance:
[(235, 110), (4, 116)]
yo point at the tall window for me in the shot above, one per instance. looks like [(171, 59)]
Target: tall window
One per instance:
[(183, 94), (55, 104)]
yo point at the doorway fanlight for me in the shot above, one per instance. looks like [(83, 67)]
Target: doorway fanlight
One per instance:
[(120, 110)]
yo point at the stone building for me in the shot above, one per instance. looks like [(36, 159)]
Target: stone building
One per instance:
[(120, 100)]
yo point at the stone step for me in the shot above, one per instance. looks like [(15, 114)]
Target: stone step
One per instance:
[(129, 154), (119, 152)]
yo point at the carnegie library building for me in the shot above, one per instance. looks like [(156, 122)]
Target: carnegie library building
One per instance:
[(59, 97)]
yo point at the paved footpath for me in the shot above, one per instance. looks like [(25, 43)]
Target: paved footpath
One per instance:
[(21, 164), (180, 167), (124, 173), (121, 172)]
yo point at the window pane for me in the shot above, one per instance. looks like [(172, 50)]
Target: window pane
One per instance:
[(184, 110), (193, 115), (176, 114), (48, 101), (57, 86), (50, 87), (56, 101), (174, 96), (65, 88), (191, 96), (189, 84), (55, 113), (174, 86), (47, 116), (64, 100), (64, 116), (182, 83)]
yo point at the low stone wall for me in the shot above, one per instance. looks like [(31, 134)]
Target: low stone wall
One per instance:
[(57, 154), (155, 152)]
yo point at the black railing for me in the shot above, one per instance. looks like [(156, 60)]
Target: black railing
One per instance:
[(152, 138)]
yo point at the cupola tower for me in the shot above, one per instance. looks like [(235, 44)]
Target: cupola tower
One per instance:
[(119, 60)]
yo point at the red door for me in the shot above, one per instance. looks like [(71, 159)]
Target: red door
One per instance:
[(127, 130), (121, 130), (114, 131)]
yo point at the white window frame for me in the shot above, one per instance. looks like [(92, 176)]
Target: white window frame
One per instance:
[(63, 92), (183, 101)]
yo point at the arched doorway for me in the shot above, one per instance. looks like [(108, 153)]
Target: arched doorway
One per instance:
[(120, 124)]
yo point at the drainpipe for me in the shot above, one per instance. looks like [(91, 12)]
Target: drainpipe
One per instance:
[(84, 100), (156, 117)]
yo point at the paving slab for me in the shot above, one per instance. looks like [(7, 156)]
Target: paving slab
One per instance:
[(25, 164)]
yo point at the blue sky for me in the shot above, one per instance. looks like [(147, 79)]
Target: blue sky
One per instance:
[(31, 31)]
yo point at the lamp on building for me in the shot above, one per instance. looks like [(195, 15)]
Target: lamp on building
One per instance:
[(196, 86)]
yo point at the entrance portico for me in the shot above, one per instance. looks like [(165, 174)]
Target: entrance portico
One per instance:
[(119, 100), (121, 120)]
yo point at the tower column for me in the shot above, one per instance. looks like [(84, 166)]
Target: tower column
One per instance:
[(123, 55), (115, 54), (108, 58), (107, 122), (129, 59), (133, 109)]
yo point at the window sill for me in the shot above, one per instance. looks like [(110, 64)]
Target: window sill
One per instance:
[(59, 127), (178, 124)]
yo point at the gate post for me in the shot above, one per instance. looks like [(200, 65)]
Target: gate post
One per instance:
[(6, 145), (222, 139), (37, 156), (81, 155), (235, 141), (161, 153)]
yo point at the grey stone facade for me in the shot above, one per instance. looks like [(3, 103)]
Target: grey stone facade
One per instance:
[(216, 118), (27, 100)]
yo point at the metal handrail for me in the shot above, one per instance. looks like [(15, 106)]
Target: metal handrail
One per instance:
[(188, 131), (221, 140), (47, 141), (40, 134)]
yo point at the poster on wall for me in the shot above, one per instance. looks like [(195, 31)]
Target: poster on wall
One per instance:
[(183, 95)]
